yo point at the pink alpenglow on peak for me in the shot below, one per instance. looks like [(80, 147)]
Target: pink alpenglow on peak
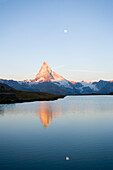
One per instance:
[(45, 68), (46, 74)]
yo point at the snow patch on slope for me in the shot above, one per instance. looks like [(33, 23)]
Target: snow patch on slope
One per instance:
[(92, 86), (64, 83)]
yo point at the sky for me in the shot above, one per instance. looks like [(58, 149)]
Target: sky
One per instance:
[(32, 31)]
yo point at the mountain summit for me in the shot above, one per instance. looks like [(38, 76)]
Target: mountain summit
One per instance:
[(46, 74)]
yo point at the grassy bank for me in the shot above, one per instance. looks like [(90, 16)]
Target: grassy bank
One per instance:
[(14, 96)]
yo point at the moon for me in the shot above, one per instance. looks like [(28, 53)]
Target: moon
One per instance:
[(65, 31)]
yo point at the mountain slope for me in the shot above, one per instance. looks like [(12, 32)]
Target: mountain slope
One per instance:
[(5, 87)]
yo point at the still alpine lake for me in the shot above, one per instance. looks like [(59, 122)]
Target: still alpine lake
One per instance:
[(42, 135)]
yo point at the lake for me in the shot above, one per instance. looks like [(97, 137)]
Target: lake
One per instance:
[(40, 135)]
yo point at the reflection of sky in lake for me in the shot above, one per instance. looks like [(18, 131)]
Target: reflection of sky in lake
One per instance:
[(78, 127)]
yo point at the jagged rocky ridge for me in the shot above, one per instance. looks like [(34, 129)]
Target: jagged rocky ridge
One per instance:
[(48, 81)]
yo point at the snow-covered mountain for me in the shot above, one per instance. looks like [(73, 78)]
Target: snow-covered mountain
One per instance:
[(46, 74), (48, 81)]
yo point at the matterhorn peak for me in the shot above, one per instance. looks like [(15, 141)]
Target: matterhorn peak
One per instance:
[(46, 74), (44, 63), (45, 68)]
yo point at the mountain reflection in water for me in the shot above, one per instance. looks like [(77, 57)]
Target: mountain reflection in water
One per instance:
[(46, 113)]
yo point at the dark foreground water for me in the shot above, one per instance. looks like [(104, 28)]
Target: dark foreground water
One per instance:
[(40, 135)]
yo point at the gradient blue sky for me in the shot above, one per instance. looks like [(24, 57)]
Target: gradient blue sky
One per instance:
[(32, 31)]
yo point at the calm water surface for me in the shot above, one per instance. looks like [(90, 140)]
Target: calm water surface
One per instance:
[(40, 135)]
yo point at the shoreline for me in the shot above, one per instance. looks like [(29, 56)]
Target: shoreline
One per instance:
[(13, 96)]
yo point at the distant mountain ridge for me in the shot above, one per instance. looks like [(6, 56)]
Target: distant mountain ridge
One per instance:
[(5, 87), (48, 81)]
